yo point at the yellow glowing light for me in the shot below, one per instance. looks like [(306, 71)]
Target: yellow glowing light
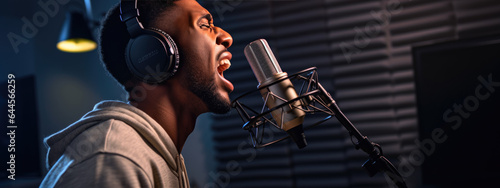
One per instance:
[(76, 45)]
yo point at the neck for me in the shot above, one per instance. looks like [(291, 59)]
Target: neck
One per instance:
[(175, 111)]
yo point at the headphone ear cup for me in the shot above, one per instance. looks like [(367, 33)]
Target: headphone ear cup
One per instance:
[(174, 51), (152, 56)]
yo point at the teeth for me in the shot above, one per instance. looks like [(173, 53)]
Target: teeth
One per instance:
[(224, 65)]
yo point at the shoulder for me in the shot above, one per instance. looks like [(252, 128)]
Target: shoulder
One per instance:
[(113, 137), (111, 150), (100, 170)]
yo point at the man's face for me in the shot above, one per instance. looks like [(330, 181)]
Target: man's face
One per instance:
[(203, 53)]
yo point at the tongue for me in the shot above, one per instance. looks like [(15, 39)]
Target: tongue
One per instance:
[(227, 83)]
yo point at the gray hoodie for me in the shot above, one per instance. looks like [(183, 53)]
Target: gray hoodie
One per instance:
[(114, 145)]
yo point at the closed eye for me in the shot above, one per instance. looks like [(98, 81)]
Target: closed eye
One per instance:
[(205, 21), (206, 26)]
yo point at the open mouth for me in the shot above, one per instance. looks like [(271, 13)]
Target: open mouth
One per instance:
[(223, 65)]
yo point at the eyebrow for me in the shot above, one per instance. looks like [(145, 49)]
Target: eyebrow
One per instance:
[(207, 16)]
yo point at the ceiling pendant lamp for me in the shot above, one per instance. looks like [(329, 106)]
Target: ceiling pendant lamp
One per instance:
[(76, 35)]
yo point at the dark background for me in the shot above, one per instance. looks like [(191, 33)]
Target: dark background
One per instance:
[(364, 51)]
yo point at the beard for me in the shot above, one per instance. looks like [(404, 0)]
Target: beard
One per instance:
[(205, 88)]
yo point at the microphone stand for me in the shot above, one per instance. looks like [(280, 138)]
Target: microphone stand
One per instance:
[(376, 162), (316, 93)]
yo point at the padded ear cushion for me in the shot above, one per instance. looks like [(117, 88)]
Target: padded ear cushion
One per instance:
[(152, 56)]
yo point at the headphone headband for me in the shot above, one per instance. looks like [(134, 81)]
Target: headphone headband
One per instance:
[(129, 14)]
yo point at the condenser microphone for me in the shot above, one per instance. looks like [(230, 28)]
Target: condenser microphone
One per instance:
[(267, 70)]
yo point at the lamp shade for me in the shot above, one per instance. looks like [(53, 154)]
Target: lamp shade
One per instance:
[(75, 35)]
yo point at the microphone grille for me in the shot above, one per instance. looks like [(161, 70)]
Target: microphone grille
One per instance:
[(261, 59)]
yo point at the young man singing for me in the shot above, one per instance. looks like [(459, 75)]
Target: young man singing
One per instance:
[(138, 143)]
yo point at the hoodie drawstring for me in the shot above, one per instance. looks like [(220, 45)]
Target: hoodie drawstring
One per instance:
[(181, 171)]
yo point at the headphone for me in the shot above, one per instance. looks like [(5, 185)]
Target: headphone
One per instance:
[(151, 54)]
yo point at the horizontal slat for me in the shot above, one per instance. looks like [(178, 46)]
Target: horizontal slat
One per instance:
[(423, 35), (338, 8), (421, 9), (344, 54), (380, 79), (421, 23)]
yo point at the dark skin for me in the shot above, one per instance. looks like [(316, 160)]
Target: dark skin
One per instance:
[(199, 84)]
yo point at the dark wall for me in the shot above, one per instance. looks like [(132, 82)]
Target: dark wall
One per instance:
[(363, 51)]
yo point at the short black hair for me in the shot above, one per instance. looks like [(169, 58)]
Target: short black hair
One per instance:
[(114, 36)]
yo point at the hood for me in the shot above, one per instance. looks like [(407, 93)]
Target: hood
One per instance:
[(103, 111)]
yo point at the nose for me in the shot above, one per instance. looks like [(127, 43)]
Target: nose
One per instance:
[(224, 38)]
